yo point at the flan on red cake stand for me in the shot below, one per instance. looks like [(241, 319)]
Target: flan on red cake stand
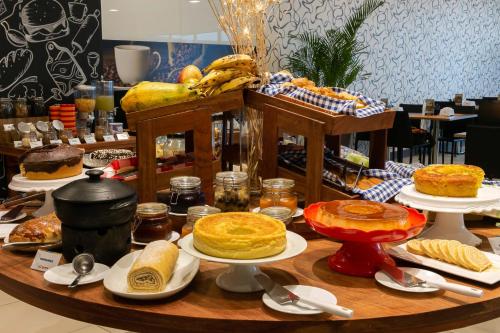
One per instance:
[(362, 226)]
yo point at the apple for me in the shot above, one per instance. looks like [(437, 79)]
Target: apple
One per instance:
[(189, 73)]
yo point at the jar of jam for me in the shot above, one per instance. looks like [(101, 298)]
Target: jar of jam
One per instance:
[(278, 192), (194, 214), (151, 222), (21, 108), (6, 108), (283, 214), (231, 191), (185, 192)]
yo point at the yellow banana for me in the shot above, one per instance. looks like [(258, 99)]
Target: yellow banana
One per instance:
[(231, 61), (235, 84), (148, 95), (218, 76)]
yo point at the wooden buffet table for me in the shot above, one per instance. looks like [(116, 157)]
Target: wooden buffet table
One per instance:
[(203, 307), (436, 119)]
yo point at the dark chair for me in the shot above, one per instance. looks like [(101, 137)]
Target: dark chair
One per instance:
[(482, 151), (403, 135), (454, 132), (493, 98), (489, 112), (412, 108), (443, 104)]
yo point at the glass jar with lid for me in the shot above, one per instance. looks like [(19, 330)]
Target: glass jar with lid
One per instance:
[(21, 108), (231, 191), (6, 108), (38, 107), (283, 214), (185, 191), (194, 214), (278, 192), (151, 222)]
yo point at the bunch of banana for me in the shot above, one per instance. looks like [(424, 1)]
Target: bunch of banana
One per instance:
[(228, 73), (147, 95)]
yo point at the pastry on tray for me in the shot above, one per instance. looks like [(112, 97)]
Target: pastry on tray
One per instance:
[(153, 268), (51, 162), (450, 251), (363, 215), (239, 235), (44, 229), (449, 180)]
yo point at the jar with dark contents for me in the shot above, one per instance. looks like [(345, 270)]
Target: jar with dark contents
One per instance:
[(151, 222), (231, 191), (38, 107), (6, 108), (185, 192)]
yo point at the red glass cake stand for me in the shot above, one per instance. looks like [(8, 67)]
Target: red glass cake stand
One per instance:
[(362, 252)]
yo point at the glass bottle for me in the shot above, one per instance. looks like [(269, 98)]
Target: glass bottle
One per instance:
[(194, 214), (185, 192), (231, 191), (278, 192), (6, 108)]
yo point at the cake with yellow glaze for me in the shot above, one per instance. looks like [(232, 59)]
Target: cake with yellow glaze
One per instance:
[(239, 235), (449, 180), (363, 215)]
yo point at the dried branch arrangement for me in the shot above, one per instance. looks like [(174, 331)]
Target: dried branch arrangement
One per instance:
[(244, 22)]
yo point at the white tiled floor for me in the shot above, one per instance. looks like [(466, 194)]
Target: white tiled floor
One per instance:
[(17, 316)]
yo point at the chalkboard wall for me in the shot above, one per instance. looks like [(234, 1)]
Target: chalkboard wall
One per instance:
[(47, 47)]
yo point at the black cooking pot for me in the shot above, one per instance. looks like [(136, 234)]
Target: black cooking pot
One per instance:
[(96, 216), (95, 203)]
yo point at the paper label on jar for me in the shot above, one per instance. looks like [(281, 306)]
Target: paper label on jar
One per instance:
[(9, 127), (34, 144), (74, 141), (18, 144), (89, 138), (108, 138), (122, 136), (58, 141), (45, 260)]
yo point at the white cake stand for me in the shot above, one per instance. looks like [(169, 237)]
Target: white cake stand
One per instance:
[(23, 184), (240, 275), (449, 222)]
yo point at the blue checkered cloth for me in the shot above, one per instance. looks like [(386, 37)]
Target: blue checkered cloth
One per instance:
[(275, 86)]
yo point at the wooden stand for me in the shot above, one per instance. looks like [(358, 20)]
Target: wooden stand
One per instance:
[(283, 114), (191, 116)]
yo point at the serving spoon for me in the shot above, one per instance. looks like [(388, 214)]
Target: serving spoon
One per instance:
[(83, 265)]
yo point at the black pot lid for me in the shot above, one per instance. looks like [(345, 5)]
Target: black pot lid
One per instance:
[(93, 189)]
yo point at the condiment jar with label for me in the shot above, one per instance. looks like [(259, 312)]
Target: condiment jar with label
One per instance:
[(194, 214), (151, 222), (6, 108), (21, 108), (278, 192), (231, 191), (185, 192)]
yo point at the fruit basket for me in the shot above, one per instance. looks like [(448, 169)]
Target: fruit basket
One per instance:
[(362, 252)]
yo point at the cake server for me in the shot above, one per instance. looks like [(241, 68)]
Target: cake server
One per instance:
[(283, 296), (12, 214), (408, 280)]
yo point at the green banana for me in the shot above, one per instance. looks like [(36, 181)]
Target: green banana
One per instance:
[(235, 84), (148, 95), (218, 76), (231, 61)]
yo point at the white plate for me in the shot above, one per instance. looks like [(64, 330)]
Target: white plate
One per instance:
[(5, 229), (315, 293), (386, 280), (295, 245), (19, 217), (23, 184), (488, 199), (185, 270), (64, 274), (172, 238), (33, 248), (489, 276), (299, 212)]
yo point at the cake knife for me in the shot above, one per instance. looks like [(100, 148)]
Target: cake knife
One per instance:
[(408, 280), (283, 296), (11, 214)]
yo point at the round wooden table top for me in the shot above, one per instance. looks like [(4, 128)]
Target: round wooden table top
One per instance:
[(203, 307)]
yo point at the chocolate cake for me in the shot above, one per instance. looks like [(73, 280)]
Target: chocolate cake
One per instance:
[(51, 162)]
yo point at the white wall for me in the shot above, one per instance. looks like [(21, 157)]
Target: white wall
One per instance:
[(160, 20)]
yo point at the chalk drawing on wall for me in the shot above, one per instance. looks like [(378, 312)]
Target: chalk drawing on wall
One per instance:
[(86, 32), (28, 87), (13, 67), (44, 20), (93, 59)]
